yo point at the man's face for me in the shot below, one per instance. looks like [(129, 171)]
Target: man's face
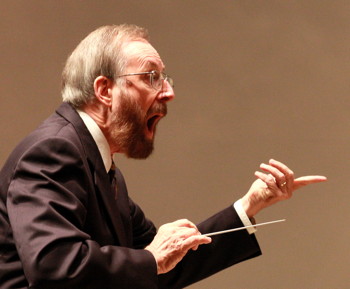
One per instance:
[(138, 106)]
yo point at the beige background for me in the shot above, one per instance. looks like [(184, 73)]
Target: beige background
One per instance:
[(254, 80)]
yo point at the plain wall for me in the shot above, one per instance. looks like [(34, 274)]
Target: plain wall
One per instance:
[(254, 80)]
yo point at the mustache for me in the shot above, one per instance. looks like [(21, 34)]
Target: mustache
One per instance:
[(158, 108)]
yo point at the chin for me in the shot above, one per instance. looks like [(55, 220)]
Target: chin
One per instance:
[(141, 151)]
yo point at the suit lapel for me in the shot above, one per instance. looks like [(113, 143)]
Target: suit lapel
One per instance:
[(101, 178), (123, 204)]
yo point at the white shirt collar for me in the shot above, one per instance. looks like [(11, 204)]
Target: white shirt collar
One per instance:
[(99, 138)]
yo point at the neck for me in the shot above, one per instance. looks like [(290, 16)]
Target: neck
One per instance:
[(100, 115)]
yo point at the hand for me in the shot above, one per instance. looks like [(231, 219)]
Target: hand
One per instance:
[(279, 184), (172, 243)]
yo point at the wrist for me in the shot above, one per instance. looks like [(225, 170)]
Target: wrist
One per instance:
[(149, 249), (246, 206)]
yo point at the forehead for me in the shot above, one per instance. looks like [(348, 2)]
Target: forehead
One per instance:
[(142, 55)]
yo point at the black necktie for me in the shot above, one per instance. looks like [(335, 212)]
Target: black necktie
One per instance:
[(113, 180)]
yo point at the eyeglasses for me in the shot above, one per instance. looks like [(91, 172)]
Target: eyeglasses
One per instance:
[(156, 78)]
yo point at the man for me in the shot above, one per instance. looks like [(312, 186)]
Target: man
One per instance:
[(66, 220)]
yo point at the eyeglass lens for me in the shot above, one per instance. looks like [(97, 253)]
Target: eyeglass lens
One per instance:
[(158, 78)]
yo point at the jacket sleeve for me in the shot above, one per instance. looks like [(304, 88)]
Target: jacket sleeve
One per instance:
[(224, 251), (47, 203), (143, 229)]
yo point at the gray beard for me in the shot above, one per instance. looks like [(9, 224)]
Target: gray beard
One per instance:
[(129, 129)]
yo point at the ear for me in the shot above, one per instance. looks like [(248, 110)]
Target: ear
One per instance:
[(103, 90)]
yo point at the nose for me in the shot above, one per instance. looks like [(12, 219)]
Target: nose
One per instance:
[(167, 93)]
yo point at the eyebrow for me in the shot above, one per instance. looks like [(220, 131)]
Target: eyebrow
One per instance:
[(153, 65)]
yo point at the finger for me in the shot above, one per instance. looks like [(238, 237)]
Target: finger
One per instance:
[(289, 174), (307, 180), (269, 180), (188, 232), (279, 176), (175, 230), (194, 241), (184, 223), (282, 167), (195, 248), (207, 241)]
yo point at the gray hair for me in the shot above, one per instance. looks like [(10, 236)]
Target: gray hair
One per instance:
[(100, 53)]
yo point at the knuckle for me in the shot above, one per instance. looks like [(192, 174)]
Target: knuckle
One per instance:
[(290, 174), (270, 179)]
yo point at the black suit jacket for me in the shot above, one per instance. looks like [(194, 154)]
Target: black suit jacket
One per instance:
[(61, 227)]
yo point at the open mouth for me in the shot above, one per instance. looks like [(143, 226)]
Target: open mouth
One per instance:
[(151, 124)]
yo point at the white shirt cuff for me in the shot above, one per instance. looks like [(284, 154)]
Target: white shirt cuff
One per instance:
[(243, 216)]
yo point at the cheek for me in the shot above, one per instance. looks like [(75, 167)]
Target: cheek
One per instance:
[(145, 103), (143, 98)]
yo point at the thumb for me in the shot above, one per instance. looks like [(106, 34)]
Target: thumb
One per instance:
[(306, 180)]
